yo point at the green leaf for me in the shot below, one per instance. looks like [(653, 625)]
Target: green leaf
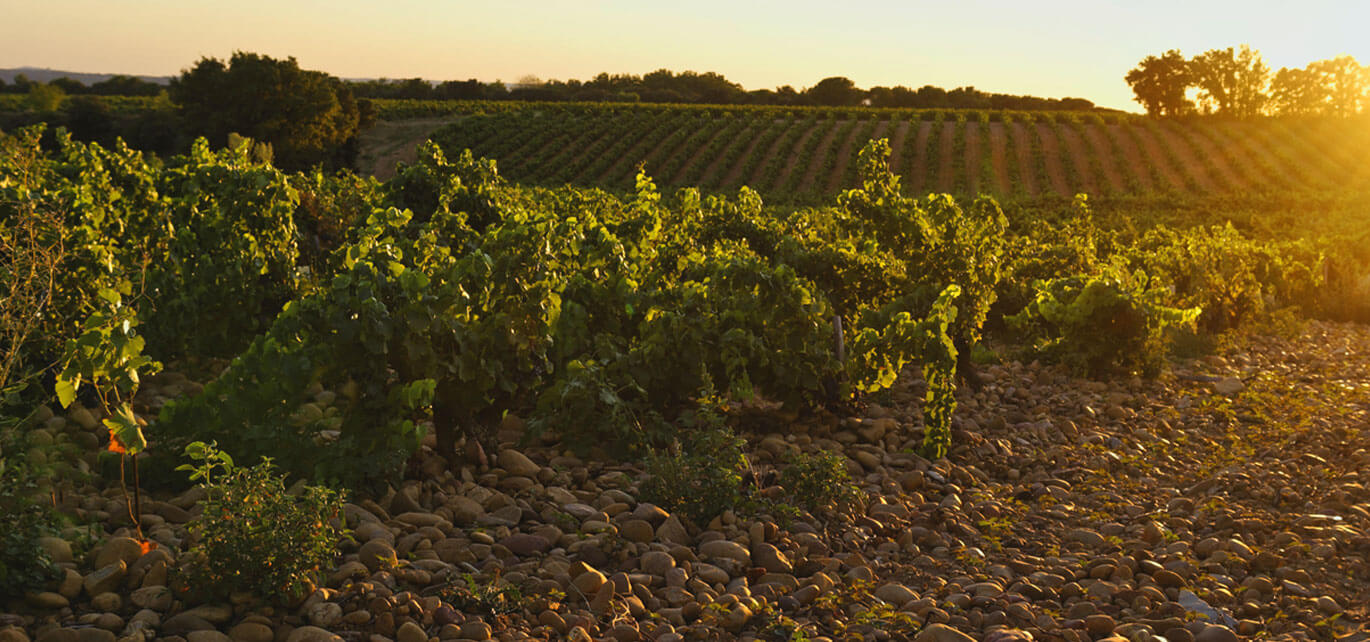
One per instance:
[(66, 391), (124, 427)]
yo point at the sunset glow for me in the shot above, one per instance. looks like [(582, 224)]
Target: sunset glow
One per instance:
[(1061, 48)]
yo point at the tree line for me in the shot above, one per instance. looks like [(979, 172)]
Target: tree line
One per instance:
[(666, 86), (1237, 82), (114, 86)]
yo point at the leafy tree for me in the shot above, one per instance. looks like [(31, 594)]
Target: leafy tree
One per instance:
[(307, 116), (1160, 83), (89, 119), (44, 98), (1297, 92), (68, 85), (1344, 82), (1232, 82), (835, 92), (125, 86)]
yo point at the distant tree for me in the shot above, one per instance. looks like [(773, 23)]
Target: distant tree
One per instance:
[(835, 92), (968, 97), (43, 97), (1344, 81), (1159, 83), (1231, 82), (68, 85), (1297, 92), (930, 96), (308, 117), (125, 86), (89, 119), (460, 90)]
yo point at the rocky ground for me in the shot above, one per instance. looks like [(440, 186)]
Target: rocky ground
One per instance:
[(1226, 501)]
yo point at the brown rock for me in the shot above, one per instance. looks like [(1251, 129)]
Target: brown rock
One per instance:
[(657, 563), (94, 635), (312, 634), (377, 554), (941, 633), (672, 531), (106, 579), (524, 545), (1168, 579), (411, 632), (1216, 633), (476, 631), (1100, 625), (637, 530), (157, 598), (769, 557), (516, 463), (47, 600), (207, 636), (465, 511), (58, 634), (725, 549), (896, 594), (251, 632), (57, 549), (119, 549), (589, 582)]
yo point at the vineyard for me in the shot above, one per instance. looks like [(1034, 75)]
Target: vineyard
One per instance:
[(795, 374), (806, 155)]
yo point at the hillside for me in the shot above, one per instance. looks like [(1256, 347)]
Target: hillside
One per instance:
[(800, 155)]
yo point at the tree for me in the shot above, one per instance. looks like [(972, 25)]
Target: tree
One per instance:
[(1232, 83), (308, 117), (835, 92), (44, 98), (125, 86), (1344, 84), (1160, 83), (1297, 92)]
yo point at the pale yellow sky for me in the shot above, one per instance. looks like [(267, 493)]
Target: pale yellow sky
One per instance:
[(1052, 48)]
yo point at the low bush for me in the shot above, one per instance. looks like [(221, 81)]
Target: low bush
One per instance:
[(253, 536), (1109, 324)]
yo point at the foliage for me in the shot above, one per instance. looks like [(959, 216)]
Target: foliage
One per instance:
[(1113, 323), (108, 356), (44, 97), (489, 598), (24, 565), (1159, 82), (31, 255), (819, 481), (252, 535), (208, 240), (306, 116), (1232, 278), (1231, 82), (699, 477)]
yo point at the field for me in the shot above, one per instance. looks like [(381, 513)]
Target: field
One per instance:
[(807, 154), (510, 404)]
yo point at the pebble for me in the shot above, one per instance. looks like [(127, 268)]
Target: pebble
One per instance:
[(411, 632), (312, 634)]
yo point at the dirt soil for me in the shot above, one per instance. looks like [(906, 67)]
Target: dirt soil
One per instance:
[(389, 143)]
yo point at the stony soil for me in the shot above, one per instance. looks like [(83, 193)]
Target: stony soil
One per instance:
[(1227, 500)]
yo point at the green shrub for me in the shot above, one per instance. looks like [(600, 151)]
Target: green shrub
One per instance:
[(1113, 323), (817, 482), (24, 566), (699, 479), (254, 537)]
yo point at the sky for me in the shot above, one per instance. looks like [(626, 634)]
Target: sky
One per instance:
[(1049, 48)]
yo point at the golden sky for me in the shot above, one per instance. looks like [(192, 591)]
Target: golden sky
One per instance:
[(1050, 48)]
